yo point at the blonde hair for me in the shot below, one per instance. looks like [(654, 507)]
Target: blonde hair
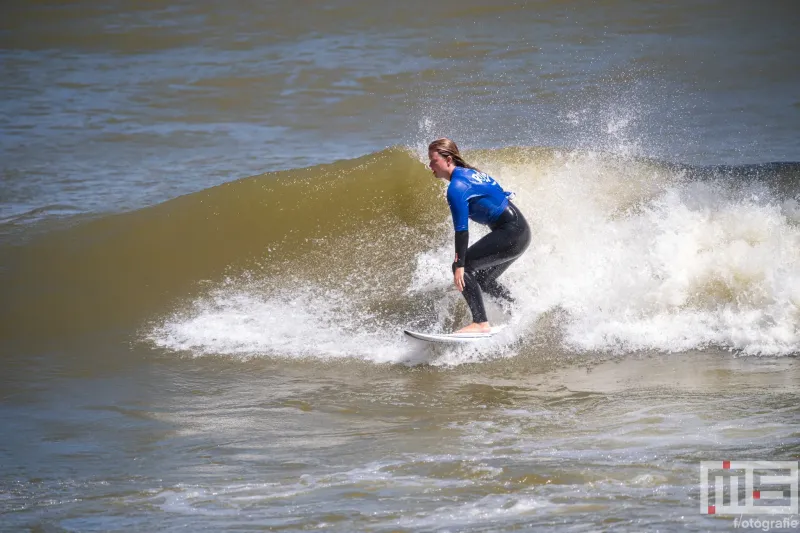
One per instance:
[(447, 148)]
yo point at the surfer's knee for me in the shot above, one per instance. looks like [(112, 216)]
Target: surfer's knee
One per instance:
[(472, 277)]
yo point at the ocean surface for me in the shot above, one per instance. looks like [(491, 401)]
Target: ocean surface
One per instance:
[(216, 220)]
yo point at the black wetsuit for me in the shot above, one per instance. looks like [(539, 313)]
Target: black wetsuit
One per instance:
[(475, 195), (491, 256)]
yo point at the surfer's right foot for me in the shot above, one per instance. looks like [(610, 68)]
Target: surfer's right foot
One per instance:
[(476, 327)]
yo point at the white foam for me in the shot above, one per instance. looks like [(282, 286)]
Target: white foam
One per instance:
[(639, 259), (239, 319), (628, 256), (490, 509)]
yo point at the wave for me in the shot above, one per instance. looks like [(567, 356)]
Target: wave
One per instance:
[(333, 260)]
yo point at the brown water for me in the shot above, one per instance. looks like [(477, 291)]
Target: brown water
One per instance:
[(216, 223)]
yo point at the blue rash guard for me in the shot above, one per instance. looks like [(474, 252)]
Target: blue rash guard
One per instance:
[(473, 194)]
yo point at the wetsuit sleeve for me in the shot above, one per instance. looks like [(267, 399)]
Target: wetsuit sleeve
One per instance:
[(459, 208), (462, 241)]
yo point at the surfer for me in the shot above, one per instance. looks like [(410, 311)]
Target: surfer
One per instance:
[(473, 194)]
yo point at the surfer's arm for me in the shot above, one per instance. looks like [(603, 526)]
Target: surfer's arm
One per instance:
[(462, 241), (459, 208)]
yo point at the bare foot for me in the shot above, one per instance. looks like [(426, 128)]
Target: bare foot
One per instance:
[(475, 327)]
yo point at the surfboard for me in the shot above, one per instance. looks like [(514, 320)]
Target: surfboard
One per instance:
[(450, 338)]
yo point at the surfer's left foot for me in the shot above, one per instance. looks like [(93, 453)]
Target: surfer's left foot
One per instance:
[(475, 327)]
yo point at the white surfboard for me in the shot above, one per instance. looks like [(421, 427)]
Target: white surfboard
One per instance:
[(450, 338)]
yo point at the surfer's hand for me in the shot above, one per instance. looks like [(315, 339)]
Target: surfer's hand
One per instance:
[(458, 278)]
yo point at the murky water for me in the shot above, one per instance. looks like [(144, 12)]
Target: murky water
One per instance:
[(182, 350)]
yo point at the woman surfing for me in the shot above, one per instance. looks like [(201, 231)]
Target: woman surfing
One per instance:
[(474, 195)]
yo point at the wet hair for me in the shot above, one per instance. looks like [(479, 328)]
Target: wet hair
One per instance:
[(447, 148)]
